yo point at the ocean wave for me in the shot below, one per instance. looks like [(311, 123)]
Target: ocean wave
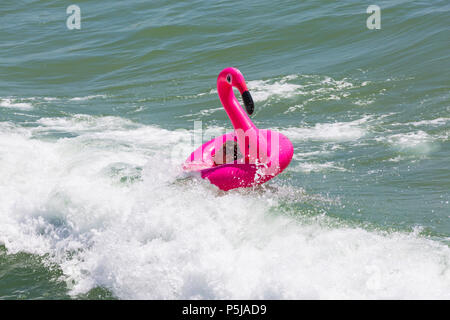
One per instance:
[(424, 123), (334, 131), (101, 205), (14, 103), (308, 167), (417, 142), (313, 87), (434, 122), (88, 97)]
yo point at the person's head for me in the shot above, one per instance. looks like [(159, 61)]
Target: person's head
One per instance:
[(228, 153)]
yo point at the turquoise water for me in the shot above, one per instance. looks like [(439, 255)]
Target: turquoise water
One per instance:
[(94, 124)]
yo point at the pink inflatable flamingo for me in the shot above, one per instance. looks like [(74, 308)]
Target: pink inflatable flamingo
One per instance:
[(259, 154)]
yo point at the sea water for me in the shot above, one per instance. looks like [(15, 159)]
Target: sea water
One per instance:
[(95, 123)]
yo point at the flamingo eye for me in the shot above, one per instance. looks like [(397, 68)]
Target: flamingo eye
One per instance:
[(229, 78)]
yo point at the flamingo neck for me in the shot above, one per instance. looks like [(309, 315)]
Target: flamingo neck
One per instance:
[(249, 140), (239, 118)]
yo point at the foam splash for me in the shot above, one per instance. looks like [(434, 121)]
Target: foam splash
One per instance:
[(264, 89), (434, 122), (424, 123), (88, 97), (418, 142), (308, 167), (312, 161), (15, 104), (26, 104), (149, 236), (310, 88), (313, 87), (334, 131)]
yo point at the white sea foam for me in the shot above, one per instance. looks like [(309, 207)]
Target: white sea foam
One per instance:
[(15, 104), (434, 122), (88, 97), (308, 155), (410, 139), (308, 167), (313, 87), (105, 206), (333, 131), (311, 162), (417, 142), (202, 113), (264, 89), (360, 102)]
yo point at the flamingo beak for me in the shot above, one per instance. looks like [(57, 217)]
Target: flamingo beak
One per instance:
[(248, 102)]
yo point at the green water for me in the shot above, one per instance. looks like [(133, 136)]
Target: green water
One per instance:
[(90, 203)]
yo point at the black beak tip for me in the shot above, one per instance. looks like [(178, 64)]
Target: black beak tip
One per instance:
[(248, 102)]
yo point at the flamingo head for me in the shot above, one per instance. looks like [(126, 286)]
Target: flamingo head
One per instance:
[(232, 77)]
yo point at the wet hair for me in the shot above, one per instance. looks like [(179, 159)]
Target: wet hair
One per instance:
[(230, 147), (227, 148)]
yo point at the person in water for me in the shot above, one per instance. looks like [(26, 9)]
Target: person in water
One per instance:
[(228, 153)]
